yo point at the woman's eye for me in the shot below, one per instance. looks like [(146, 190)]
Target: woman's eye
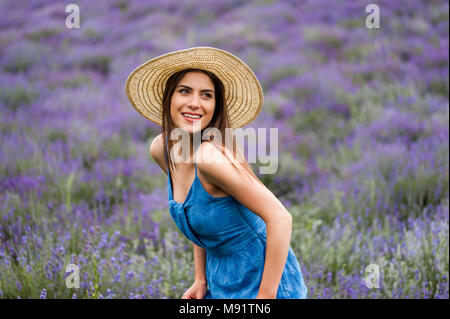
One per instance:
[(185, 90)]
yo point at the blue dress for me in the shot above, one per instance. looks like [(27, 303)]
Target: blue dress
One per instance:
[(235, 242)]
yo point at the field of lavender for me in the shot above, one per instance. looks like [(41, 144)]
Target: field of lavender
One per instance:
[(362, 114)]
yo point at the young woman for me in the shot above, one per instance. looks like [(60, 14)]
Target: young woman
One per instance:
[(240, 231)]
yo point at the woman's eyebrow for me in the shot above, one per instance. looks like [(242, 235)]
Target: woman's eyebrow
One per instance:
[(187, 87)]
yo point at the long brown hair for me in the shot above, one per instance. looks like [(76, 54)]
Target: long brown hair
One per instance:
[(219, 120)]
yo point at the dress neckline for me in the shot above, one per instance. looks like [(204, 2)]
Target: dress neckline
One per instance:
[(191, 190), (171, 187), (188, 196)]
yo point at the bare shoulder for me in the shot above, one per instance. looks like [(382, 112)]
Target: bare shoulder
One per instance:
[(209, 153), (211, 161), (157, 153), (156, 146)]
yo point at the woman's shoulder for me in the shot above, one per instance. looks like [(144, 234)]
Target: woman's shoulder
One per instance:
[(212, 156), (222, 170), (157, 152), (209, 152)]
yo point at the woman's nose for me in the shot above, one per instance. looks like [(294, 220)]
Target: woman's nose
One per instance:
[(195, 100)]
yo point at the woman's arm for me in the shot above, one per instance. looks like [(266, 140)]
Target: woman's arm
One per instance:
[(198, 289), (260, 200), (277, 249), (199, 264)]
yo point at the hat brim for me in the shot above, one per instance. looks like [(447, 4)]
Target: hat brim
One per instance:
[(243, 93)]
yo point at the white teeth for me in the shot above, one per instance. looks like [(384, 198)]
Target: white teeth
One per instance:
[(192, 116)]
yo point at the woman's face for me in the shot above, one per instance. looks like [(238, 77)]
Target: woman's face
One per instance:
[(193, 96)]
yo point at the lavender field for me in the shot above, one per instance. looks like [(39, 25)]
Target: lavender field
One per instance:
[(362, 117)]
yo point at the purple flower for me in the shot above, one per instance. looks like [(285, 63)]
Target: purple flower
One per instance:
[(130, 275), (43, 294), (117, 278)]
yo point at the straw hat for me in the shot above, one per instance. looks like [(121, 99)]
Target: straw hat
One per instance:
[(243, 93)]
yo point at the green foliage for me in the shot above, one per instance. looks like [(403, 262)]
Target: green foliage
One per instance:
[(358, 52), (439, 87), (42, 34), (55, 135), (17, 97), (20, 63), (419, 191), (77, 81), (117, 146), (92, 34), (99, 63)]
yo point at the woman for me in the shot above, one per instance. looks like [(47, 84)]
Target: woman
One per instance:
[(239, 229)]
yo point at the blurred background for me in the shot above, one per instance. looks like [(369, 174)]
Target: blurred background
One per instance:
[(362, 116)]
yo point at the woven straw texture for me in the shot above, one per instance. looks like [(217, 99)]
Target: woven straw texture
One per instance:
[(243, 92)]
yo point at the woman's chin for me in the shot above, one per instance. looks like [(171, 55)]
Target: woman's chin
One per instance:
[(190, 127)]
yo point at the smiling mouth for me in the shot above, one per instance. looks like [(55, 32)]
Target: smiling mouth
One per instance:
[(191, 117)]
